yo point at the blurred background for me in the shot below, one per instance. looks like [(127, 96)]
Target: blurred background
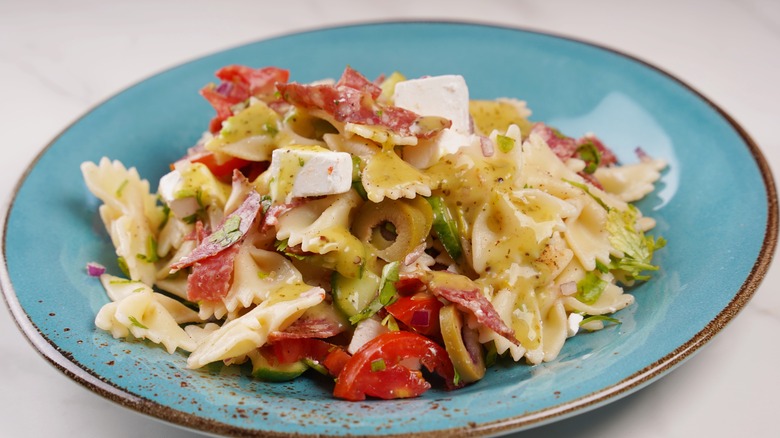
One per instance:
[(58, 59)]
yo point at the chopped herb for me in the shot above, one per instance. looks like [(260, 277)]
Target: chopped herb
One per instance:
[(490, 354), (151, 251), (121, 188), (377, 365), (191, 219), (199, 198), (136, 323), (270, 129), (590, 288), (599, 318), (387, 293), (586, 189), (590, 154), (601, 267), (265, 203), (121, 281), (358, 186), (139, 289), (390, 274), (456, 379), (166, 215), (122, 263), (505, 144), (390, 323), (282, 245), (262, 275), (301, 162), (379, 113), (229, 233)]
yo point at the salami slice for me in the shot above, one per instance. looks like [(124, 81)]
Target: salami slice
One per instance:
[(232, 230)]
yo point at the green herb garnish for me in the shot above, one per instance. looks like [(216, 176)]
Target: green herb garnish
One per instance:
[(136, 323)]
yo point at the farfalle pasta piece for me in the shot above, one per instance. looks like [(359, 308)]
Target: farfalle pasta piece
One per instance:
[(586, 232), (250, 331), (630, 182), (386, 175), (145, 317), (257, 274), (129, 213)]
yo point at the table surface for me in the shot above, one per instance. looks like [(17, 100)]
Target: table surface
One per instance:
[(59, 59)]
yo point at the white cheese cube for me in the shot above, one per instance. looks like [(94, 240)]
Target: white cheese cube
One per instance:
[(304, 171), (444, 96), (170, 185), (573, 324)]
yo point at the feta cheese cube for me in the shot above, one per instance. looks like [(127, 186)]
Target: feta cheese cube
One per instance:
[(303, 171), (573, 324), (170, 185), (443, 96)]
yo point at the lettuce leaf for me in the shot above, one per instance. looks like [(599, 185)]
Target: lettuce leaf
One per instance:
[(637, 248)]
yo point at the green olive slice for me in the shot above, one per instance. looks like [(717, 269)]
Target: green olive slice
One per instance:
[(462, 345), (393, 228)]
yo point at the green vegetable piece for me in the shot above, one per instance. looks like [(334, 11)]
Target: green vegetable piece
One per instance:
[(604, 318), (637, 248), (590, 288), (228, 234), (378, 365), (387, 293), (267, 370), (352, 295), (589, 153), (315, 365), (136, 323), (445, 228), (411, 221), (468, 359), (505, 144), (122, 263)]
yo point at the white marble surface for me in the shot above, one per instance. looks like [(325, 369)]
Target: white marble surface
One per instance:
[(60, 58)]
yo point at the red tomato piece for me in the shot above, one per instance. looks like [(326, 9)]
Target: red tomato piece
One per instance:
[(419, 312), (376, 370), (336, 360), (219, 169), (294, 349)]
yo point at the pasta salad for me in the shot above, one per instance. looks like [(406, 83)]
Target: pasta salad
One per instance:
[(377, 232)]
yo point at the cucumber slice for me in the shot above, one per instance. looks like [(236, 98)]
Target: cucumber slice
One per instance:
[(263, 369), (445, 228), (351, 295)]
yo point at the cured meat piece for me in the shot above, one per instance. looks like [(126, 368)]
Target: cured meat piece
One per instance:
[(462, 292), (232, 230), (352, 79), (562, 146), (238, 84), (566, 147), (353, 100), (211, 276), (319, 328)]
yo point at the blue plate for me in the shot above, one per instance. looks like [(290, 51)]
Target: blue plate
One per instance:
[(716, 206)]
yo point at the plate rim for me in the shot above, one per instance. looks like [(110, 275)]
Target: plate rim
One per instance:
[(86, 377)]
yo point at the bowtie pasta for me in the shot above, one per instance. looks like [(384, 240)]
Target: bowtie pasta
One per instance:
[(369, 229)]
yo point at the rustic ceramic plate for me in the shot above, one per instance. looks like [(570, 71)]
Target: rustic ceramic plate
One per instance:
[(716, 206)]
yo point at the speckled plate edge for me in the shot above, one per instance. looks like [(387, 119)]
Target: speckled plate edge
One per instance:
[(63, 361)]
